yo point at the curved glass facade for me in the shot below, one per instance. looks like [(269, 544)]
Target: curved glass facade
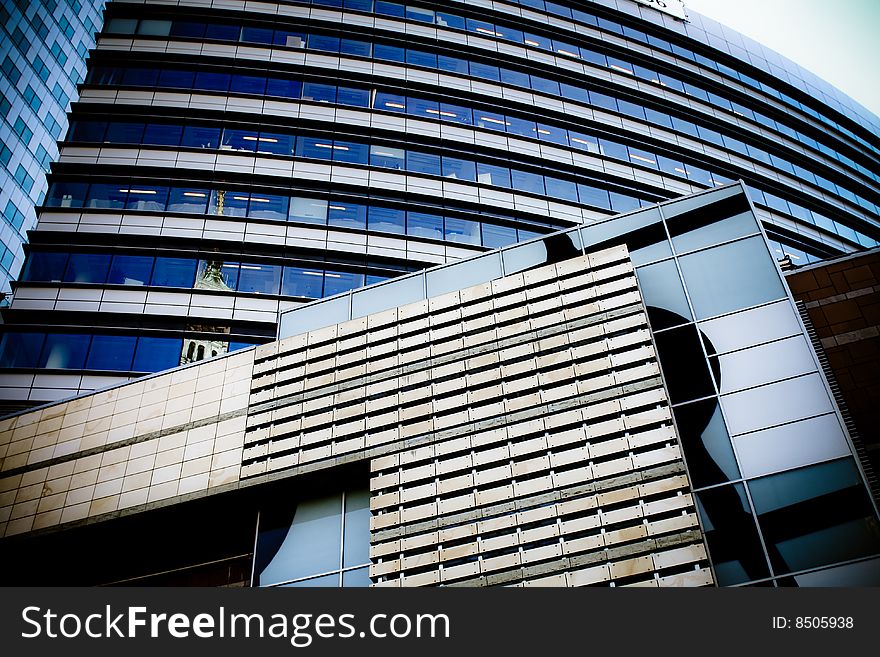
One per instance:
[(225, 165)]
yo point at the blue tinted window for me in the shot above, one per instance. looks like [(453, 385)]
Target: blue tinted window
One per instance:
[(320, 93), (336, 282), (140, 77), (184, 199), (463, 231), (490, 120), (355, 47), (222, 32), (314, 147), (208, 81), (174, 272), (422, 224), (259, 279), (111, 352), (63, 351), (593, 196), (276, 143), (603, 100), (458, 169), (449, 20), (456, 114), (346, 151), (498, 236), (160, 134), (175, 79), (390, 8), (130, 270), (523, 181), (20, 349), (268, 206), (88, 130), (248, 84), (485, 71), (421, 58), (87, 268), (324, 43), (623, 202), (389, 53), (452, 64), (390, 102), (187, 29), (147, 197), (308, 210), (239, 140), (353, 96), (157, 354), (43, 266), (522, 127), (199, 137), (515, 78), (562, 190), (544, 85), (107, 196), (283, 88), (298, 282), (290, 39), (229, 203), (552, 134), (256, 35), (426, 163), (386, 220), (422, 107), (383, 156), (613, 149), (347, 215), (489, 174), (66, 195), (124, 133)]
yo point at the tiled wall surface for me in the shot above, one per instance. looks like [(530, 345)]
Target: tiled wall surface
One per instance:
[(126, 449), (518, 432), (843, 302)]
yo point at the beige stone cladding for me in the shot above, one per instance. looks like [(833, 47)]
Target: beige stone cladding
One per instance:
[(518, 432)]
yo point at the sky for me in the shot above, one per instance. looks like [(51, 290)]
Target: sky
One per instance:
[(835, 39)]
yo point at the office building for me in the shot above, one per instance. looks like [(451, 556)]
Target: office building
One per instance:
[(634, 402), (227, 162), (43, 47)]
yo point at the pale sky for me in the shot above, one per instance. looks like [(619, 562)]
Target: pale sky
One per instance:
[(835, 39)]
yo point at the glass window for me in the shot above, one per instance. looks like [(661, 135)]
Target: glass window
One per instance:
[(298, 282), (427, 163), (283, 88), (183, 199), (188, 29), (259, 279), (336, 282), (239, 140), (276, 143), (121, 26), (351, 152), (308, 210), (663, 294), (256, 34), (44, 266), (490, 120), (391, 295), (248, 84), (64, 351), (552, 134), (390, 8), (353, 96), (161, 134), (87, 268), (222, 32), (107, 196), (459, 169), (561, 190), (66, 195), (176, 79), (536, 41), (130, 270), (463, 274), (323, 43), (684, 366), (706, 443), (422, 107), (140, 77), (449, 20), (347, 215), (217, 275), (463, 231), (489, 174), (498, 236), (268, 206), (766, 363), (815, 516), (710, 275), (383, 51), (210, 81), (421, 58), (390, 102), (384, 156), (92, 131), (452, 64), (157, 354), (290, 39), (523, 181), (228, 203), (731, 535), (154, 27), (623, 202), (752, 327), (386, 220), (111, 352), (577, 94), (20, 349), (200, 137), (314, 147), (422, 224), (356, 47), (522, 127), (456, 114), (174, 272), (147, 197)]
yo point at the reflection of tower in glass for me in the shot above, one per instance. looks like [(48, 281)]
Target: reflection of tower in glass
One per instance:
[(210, 277)]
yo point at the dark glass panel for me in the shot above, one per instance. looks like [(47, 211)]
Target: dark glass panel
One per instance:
[(684, 365), (87, 268), (111, 352)]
